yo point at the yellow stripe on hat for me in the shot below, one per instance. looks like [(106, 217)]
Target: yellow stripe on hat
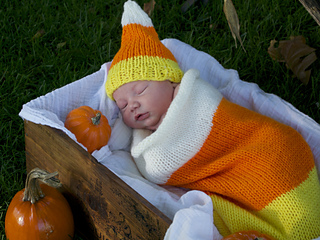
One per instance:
[(142, 56), (138, 68)]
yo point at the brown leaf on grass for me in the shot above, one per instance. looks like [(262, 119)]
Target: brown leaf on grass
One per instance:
[(38, 34), (61, 45), (297, 55), (149, 7), (233, 21)]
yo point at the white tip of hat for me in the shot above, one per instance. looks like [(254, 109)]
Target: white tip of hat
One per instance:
[(133, 13)]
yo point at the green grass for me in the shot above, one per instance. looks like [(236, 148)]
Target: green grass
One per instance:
[(79, 36)]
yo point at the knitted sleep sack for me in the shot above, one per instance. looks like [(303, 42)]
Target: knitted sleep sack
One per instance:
[(260, 174)]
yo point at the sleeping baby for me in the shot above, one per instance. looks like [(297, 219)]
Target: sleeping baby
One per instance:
[(259, 173)]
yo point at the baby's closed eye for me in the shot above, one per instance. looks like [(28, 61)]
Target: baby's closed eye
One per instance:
[(141, 89), (122, 104)]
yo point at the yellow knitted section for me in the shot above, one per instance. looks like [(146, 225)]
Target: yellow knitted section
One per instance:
[(142, 68), (142, 56), (245, 156), (260, 174), (293, 215)]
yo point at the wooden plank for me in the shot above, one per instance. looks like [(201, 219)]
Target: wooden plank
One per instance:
[(104, 206), (313, 7)]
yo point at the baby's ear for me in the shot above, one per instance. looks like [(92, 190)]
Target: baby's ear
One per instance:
[(176, 89), (174, 84)]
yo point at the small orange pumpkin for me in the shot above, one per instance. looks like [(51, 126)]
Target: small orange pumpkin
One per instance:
[(90, 127), (39, 211), (248, 235)]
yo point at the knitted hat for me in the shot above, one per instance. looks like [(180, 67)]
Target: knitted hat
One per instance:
[(141, 56)]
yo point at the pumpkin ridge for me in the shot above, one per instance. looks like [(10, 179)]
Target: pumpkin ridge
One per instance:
[(93, 135)]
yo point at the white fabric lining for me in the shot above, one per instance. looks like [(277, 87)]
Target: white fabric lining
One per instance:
[(187, 209)]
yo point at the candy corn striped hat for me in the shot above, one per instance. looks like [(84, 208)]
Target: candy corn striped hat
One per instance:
[(141, 56)]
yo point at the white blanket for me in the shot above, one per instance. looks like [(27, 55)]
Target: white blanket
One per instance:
[(191, 211)]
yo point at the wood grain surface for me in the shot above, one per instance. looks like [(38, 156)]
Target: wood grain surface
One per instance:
[(104, 206)]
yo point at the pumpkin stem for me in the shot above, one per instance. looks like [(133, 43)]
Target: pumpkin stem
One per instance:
[(96, 120), (33, 190)]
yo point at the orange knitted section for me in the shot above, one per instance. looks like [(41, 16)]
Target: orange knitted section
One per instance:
[(138, 40), (247, 158)]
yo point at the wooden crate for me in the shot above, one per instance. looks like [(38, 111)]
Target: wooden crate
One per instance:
[(313, 7), (104, 206)]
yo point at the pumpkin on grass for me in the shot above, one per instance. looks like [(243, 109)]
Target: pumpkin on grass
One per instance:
[(39, 211), (90, 127), (248, 235)]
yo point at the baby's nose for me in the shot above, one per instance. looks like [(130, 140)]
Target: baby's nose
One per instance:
[(134, 105)]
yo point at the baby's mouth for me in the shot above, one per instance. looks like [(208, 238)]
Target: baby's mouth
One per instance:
[(142, 116)]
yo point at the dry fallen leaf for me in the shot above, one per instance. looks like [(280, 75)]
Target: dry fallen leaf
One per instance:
[(38, 34), (149, 7), (60, 45), (297, 55), (233, 21)]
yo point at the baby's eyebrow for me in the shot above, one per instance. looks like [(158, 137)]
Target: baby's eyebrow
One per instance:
[(135, 86), (138, 86)]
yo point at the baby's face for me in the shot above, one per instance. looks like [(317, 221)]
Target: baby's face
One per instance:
[(144, 104)]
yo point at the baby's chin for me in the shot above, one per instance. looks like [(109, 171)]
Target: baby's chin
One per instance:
[(158, 123), (152, 128)]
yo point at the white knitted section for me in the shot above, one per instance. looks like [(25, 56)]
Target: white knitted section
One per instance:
[(182, 132), (133, 13)]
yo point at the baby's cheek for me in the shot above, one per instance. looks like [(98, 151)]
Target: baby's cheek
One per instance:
[(126, 119)]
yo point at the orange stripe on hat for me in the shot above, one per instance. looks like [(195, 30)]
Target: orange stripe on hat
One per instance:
[(141, 56), (138, 40)]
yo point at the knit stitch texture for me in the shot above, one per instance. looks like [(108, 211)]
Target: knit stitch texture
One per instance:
[(259, 173), (141, 56)]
